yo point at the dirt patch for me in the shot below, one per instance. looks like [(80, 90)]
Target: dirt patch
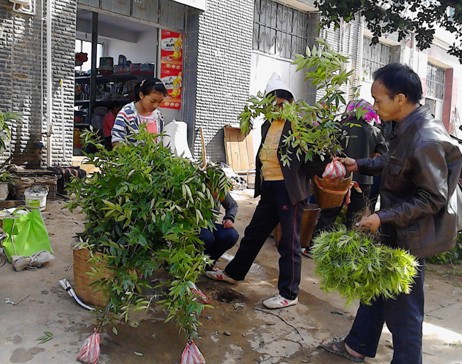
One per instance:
[(450, 273)]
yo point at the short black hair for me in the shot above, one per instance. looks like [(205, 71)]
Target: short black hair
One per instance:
[(400, 79), (149, 85)]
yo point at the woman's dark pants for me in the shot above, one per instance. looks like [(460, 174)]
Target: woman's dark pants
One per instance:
[(274, 207)]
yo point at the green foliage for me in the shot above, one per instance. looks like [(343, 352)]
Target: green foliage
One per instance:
[(405, 17), (351, 263), (47, 336), (5, 133), (315, 128), (453, 256), (5, 176), (144, 209)]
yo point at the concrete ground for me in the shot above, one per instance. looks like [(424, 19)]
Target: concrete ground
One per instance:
[(237, 330)]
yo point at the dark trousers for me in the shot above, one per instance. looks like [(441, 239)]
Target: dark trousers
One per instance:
[(218, 241), (404, 318), (274, 207), (374, 194)]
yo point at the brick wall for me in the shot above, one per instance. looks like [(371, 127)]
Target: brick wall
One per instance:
[(22, 74), (223, 70)]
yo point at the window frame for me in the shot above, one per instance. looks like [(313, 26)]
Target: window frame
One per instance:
[(279, 30), (370, 65)]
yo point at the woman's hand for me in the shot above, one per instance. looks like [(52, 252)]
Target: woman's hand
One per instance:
[(349, 163), (371, 222)]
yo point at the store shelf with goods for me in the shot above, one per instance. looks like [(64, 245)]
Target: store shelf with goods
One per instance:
[(109, 78)]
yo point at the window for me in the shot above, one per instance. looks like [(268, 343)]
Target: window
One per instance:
[(279, 30), (374, 57), (435, 82), (85, 46), (434, 94)]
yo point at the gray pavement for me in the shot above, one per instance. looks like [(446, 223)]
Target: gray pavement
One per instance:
[(237, 330)]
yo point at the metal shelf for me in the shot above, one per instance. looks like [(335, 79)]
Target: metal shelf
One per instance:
[(110, 78)]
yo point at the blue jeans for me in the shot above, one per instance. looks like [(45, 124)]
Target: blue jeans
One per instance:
[(274, 207), (218, 241), (404, 318)]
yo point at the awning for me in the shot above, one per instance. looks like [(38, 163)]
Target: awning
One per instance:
[(198, 4)]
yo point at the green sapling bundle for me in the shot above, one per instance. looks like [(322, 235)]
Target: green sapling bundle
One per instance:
[(355, 265)]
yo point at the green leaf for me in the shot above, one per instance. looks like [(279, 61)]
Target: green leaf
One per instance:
[(45, 338)]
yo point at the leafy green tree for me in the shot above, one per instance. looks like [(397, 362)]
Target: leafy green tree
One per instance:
[(315, 128), (403, 16)]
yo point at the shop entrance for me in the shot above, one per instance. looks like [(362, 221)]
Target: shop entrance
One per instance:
[(113, 53)]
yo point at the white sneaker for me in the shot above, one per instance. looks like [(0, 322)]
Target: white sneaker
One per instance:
[(279, 302), (220, 275)]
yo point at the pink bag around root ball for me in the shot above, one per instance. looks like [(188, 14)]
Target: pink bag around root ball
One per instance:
[(335, 171), (192, 355), (89, 353)]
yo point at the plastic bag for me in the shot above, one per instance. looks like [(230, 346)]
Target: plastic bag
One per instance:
[(335, 171), (26, 234), (191, 354), (89, 353), (200, 295)]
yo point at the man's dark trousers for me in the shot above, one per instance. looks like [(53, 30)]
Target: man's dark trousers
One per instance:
[(404, 318)]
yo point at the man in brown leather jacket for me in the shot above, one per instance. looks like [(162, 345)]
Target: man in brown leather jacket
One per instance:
[(417, 210)]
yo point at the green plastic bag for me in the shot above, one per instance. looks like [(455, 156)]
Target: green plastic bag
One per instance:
[(26, 234)]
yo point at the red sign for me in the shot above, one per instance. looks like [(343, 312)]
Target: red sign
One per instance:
[(171, 67)]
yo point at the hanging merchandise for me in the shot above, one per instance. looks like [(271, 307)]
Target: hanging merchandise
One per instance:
[(171, 67)]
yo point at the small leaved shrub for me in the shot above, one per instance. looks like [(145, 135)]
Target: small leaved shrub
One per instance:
[(315, 128), (352, 263), (143, 209)]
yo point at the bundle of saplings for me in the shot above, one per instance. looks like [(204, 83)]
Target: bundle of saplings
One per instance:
[(355, 265)]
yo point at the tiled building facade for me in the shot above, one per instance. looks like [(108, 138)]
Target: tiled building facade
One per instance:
[(231, 49)]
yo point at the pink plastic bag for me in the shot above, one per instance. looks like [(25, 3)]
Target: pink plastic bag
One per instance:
[(200, 295), (335, 171), (192, 355), (89, 353)]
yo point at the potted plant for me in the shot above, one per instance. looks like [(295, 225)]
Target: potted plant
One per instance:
[(5, 179), (143, 211), (5, 133), (316, 129)]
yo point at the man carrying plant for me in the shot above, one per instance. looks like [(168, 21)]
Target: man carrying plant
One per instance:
[(417, 211)]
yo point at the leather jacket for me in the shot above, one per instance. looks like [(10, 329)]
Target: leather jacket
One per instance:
[(297, 176), (417, 192)]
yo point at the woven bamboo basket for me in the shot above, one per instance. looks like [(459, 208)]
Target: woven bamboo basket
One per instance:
[(309, 219), (331, 194), (83, 280)]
